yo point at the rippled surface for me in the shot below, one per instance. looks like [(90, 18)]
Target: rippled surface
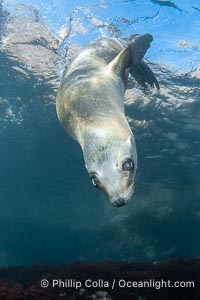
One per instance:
[(49, 210)]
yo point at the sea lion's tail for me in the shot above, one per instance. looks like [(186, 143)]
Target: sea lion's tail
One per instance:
[(138, 68)]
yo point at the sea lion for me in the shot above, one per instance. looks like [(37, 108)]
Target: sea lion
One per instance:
[(90, 106)]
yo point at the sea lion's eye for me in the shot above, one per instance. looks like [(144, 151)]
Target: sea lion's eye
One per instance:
[(128, 165), (95, 181)]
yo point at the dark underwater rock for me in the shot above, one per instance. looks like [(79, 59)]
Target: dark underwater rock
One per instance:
[(73, 281)]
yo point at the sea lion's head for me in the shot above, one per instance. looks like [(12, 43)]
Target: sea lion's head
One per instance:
[(111, 161)]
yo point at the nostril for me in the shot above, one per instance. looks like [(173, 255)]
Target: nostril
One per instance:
[(119, 202)]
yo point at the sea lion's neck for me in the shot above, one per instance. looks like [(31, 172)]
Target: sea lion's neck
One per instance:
[(107, 131)]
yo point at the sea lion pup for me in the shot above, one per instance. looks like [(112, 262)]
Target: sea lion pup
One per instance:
[(90, 106)]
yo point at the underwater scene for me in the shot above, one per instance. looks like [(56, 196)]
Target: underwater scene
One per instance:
[(53, 222)]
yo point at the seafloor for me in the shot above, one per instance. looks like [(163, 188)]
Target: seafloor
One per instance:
[(24, 282)]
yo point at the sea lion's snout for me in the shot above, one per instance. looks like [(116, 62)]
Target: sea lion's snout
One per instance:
[(119, 202), (124, 196)]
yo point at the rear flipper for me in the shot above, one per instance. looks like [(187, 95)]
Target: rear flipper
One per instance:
[(138, 68), (143, 75)]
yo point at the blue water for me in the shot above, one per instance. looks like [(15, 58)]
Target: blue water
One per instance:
[(49, 211)]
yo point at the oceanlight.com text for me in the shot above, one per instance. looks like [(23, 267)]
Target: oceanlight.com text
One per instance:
[(157, 284)]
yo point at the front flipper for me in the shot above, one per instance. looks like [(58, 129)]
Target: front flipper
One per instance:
[(130, 60)]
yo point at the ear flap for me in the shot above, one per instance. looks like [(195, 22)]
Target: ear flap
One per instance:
[(131, 57)]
